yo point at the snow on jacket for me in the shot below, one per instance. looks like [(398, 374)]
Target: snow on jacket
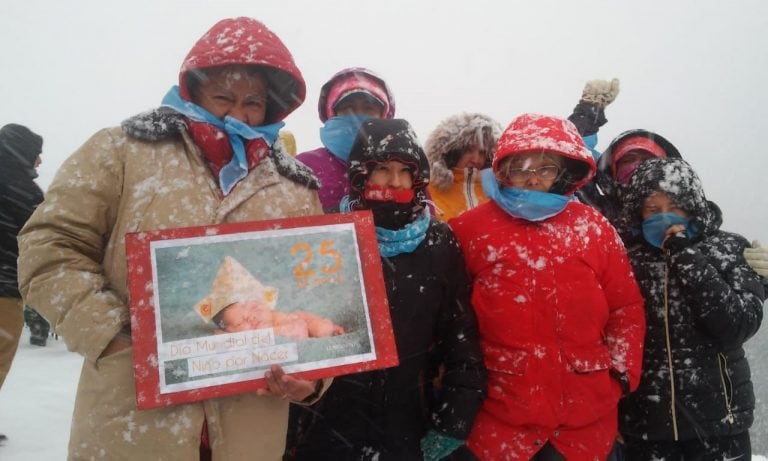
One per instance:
[(150, 175), (382, 415), (331, 171), (454, 190), (702, 303), (558, 309), (19, 195), (73, 264), (559, 312)]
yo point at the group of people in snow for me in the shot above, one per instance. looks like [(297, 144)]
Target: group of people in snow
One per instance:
[(546, 301)]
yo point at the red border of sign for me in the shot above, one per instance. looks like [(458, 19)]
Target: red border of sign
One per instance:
[(145, 363)]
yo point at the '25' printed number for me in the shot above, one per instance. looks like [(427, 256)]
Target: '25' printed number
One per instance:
[(304, 269)]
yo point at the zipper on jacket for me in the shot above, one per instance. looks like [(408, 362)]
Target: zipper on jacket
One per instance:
[(669, 346), (468, 186), (722, 362)]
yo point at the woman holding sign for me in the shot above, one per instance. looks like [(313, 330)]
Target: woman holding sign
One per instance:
[(391, 414), (209, 155)]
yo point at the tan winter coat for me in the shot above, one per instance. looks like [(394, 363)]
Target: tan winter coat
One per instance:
[(73, 270)]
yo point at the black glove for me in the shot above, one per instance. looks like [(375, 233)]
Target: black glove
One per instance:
[(677, 242), (588, 117)]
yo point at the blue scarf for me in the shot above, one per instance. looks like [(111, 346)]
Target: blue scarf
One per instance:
[(394, 242), (526, 204), (339, 133), (236, 131), (591, 141), (655, 227)]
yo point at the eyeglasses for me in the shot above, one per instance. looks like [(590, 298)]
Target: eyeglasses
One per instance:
[(544, 172)]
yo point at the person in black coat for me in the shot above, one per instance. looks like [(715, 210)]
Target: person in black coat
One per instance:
[(394, 413), (703, 301), (20, 150)]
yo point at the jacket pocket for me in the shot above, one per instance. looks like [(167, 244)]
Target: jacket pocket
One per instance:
[(506, 360), (588, 359)]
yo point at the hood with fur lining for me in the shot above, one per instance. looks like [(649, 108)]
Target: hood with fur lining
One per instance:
[(455, 134)]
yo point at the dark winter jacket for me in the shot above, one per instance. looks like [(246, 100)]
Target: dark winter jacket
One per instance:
[(19, 196), (384, 414), (702, 303), (603, 192)]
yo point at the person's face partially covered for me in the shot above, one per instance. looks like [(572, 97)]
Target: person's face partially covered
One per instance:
[(359, 104), (237, 91)]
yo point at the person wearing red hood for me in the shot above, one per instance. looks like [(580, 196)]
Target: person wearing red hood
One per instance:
[(209, 155), (560, 314), (347, 99)]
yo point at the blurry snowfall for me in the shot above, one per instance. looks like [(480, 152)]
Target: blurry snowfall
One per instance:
[(37, 399)]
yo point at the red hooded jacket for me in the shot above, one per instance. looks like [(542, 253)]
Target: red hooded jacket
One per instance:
[(559, 311)]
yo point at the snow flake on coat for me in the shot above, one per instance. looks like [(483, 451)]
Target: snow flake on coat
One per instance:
[(707, 301), (559, 313)]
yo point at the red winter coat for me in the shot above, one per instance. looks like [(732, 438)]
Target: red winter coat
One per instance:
[(560, 316)]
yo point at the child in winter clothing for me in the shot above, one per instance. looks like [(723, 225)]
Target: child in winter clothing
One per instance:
[(209, 155), (388, 414), (463, 144), (615, 167), (239, 302), (458, 148), (695, 399), (560, 314), (349, 98)]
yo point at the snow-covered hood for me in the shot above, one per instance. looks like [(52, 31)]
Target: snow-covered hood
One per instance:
[(458, 133), (381, 140), (542, 133), (676, 178), (246, 41)]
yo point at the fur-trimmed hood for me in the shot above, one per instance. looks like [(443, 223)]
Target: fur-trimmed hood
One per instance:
[(455, 134)]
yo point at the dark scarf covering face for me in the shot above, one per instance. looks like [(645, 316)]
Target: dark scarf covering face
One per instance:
[(380, 141)]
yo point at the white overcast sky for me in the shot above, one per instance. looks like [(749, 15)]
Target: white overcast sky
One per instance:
[(695, 71)]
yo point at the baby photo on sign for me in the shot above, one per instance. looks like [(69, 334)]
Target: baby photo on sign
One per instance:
[(228, 306)]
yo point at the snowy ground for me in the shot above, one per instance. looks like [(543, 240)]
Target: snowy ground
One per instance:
[(36, 403)]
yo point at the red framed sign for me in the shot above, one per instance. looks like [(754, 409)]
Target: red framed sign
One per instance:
[(213, 307)]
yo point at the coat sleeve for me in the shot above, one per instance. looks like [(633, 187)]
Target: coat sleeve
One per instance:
[(63, 244), (724, 292), (625, 329), (464, 380)]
